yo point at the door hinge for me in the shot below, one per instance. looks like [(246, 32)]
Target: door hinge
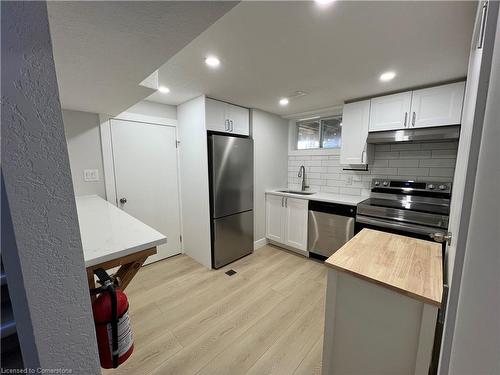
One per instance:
[(441, 237), (177, 143)]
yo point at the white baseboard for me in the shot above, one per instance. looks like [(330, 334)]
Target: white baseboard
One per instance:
[(260, 243)]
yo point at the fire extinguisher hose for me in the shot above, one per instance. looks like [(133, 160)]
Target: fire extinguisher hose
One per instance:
[(114, 324)]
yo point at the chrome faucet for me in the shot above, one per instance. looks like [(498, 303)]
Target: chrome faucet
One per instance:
[(302, 173)]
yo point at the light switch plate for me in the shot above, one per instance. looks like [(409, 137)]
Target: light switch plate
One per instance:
[(91, 175)]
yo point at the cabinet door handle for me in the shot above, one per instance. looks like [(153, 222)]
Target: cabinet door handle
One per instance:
[(413, 117), (406, 117), (482, 26), (226, 125), (232, 128), (282, 201), (286, 202)]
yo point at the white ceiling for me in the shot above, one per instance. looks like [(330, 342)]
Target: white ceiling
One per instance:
[(271, 49), (104, 49)]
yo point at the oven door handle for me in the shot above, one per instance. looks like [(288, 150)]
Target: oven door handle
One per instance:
[(399, 226)]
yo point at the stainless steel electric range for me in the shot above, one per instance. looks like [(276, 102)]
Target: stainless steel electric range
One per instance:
[(417, 209)]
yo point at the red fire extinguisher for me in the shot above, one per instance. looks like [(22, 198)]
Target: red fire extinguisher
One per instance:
[(112, 323)]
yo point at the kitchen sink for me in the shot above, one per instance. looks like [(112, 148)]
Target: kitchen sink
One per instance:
[(296, 192)]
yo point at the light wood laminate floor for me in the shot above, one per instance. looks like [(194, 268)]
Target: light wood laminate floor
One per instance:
[(266, 319)]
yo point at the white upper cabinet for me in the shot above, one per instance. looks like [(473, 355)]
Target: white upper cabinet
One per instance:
[(238, 118), (215, 115), (434, 106), (226, 118), (390, 112), (437, 106), (355, 122)]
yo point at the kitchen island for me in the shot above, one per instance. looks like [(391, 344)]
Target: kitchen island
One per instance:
[(383, 295), (112, 238)]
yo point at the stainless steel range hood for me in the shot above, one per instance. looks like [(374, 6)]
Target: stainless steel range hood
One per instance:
[(436, 134)]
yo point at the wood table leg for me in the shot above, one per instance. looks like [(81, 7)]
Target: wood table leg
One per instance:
[(127, 272), (129, 266)]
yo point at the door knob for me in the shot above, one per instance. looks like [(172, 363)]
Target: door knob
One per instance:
[(123, 200)]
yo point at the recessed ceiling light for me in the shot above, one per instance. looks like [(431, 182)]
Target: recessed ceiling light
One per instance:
[(324, 2), (212, 61), (164, 89), (387, 76), (283, 101)]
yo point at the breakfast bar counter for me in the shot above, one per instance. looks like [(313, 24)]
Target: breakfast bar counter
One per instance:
[(112, 238), (383, 295)]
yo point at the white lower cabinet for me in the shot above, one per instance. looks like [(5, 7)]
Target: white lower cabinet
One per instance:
[(286, 221), (275, 218)]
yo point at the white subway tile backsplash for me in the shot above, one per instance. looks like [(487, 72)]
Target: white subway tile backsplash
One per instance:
[(386, 155), (330, 163), (380, 163), (330, 189), (384, 170), (443, 163), (403, 161), (334, 170), (383, 147), (319, 169), (405, 146), (444, 154), (415, 154), (439, 146), (331, 176), (413, 172), (442, 172)]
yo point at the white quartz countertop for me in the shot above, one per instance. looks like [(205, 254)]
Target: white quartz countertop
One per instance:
[(109, 233), (352, 200)]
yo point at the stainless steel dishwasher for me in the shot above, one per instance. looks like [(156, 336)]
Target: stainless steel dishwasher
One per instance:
[(330, 226)]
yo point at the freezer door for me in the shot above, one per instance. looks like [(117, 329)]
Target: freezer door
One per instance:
[(231, 174), (233, 238)]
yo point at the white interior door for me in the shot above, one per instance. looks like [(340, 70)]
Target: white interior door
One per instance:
[(145, 161)]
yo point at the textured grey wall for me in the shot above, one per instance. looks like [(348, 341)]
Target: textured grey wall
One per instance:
[(85, 151), (270, 136), (44, 259)]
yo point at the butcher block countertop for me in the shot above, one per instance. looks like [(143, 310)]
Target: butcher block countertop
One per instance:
[(406, 265)]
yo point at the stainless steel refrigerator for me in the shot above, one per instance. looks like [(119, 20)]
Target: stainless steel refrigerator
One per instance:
[(231, 197)]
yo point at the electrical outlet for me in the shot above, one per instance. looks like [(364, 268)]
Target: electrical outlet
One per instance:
[(348, 180), (91, 175)]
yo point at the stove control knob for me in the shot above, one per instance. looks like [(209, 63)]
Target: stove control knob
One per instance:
[(377, 183), (431, 187), (443, 187), (385, 183)]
